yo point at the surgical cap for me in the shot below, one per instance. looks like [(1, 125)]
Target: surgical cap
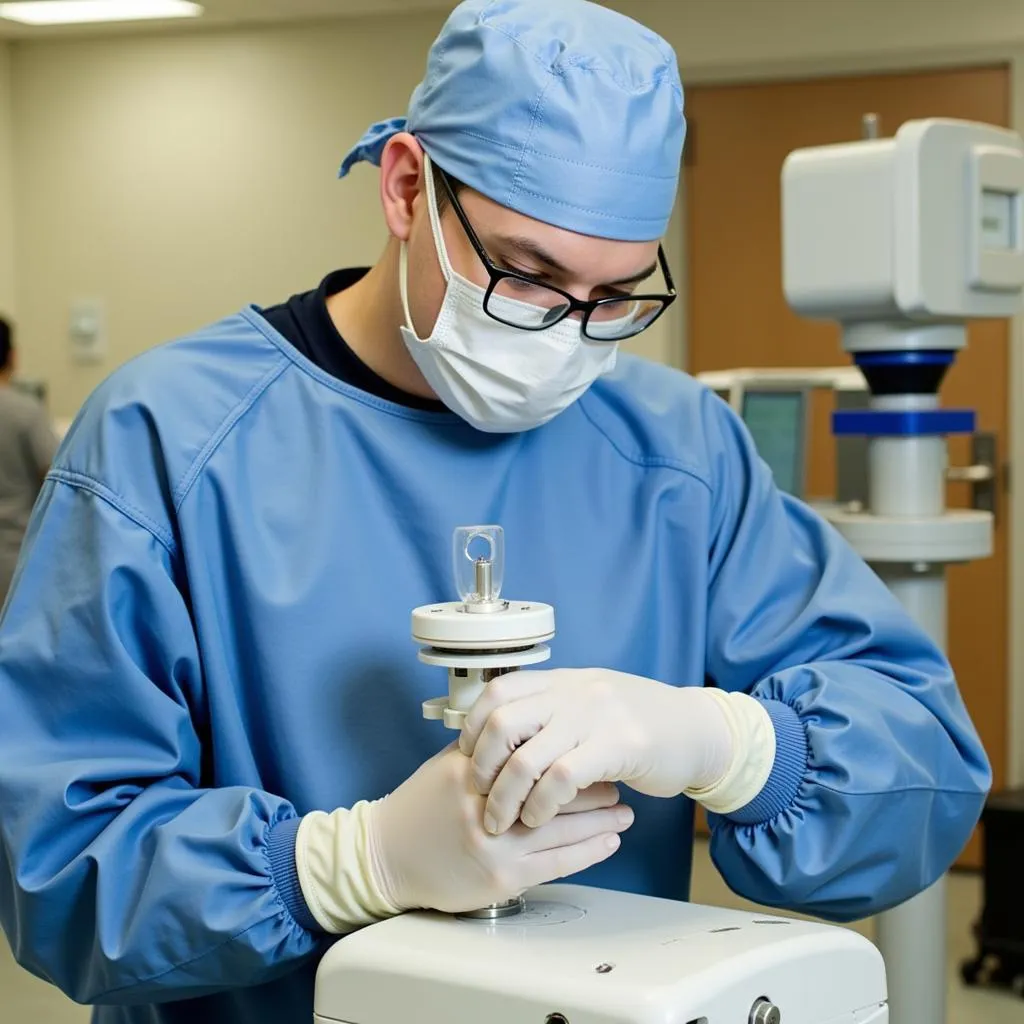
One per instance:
[(561, 110)]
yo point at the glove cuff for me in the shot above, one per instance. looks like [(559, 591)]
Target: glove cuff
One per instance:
[(334, 859), (753, 746)]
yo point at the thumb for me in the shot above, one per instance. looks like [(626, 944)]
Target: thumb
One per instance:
[(443, 752)]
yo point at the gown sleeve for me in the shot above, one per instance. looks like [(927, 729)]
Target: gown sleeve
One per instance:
[(122, 880), (879, 776)]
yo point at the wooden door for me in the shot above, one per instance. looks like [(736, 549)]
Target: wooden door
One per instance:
[(738, 315)]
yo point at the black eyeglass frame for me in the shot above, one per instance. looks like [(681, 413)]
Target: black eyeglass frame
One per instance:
[(573, 305)]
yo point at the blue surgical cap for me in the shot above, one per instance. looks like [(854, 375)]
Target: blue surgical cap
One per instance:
[(561, 110)]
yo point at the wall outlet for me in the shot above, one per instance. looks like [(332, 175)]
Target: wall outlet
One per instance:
[(88, 331)]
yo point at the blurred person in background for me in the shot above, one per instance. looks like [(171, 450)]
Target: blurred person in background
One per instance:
[(27, 447)]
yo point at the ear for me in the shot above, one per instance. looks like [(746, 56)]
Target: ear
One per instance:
[(401, 181)]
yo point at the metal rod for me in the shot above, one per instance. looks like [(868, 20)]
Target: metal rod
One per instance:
[(912, 936), (483, 579)]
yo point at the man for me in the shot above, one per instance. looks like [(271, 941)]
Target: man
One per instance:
[(212, 760), (27, 446)]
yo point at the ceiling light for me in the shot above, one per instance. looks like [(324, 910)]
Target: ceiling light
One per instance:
[(79, 12)]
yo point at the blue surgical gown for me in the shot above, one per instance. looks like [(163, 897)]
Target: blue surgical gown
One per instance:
[(208, 636)]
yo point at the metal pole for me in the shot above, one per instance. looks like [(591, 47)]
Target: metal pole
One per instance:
[(912, 936)]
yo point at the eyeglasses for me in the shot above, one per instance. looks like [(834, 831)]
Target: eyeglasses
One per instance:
[(521, 301)]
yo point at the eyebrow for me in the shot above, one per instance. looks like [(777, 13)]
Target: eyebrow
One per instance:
[(526, 248)]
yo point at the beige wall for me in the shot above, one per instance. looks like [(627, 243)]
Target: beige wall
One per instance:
[(6, 188), (746, 34), (176, 178)]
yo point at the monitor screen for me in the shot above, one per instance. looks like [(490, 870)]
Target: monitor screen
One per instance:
[(776, 421)]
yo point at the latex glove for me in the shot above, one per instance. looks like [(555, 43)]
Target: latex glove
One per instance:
[(424, 846), (537, 739)]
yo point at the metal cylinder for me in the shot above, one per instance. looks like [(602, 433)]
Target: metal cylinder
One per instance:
[(465, 685), (912, 939), (912, 936), (907, 476), (922, 592), (484, 586), (496, 911)]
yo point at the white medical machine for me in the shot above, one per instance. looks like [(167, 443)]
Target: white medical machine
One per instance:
[(564, 954), (901, 241)]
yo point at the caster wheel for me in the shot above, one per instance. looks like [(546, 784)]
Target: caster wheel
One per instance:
[(969, 972), (1004, 977)]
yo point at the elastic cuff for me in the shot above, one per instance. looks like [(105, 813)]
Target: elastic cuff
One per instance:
[(788, 770), (281, 849)]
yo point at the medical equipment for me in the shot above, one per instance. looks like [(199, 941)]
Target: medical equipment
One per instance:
[(777, 420), (480, 637), (775, 405), (902, 240), (566, 954)]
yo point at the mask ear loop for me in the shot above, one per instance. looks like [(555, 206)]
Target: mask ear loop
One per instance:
[(439, 246), (435, 219)]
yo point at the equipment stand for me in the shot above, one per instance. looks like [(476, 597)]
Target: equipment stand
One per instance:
[(909, 537)]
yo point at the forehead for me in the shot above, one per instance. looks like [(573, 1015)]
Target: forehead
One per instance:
[(584, 255)]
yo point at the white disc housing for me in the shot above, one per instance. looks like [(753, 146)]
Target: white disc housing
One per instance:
[(476, 646), (960, 536), (514, 624)]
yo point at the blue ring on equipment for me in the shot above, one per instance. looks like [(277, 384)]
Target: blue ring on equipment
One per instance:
[(925, 357), (898, 423)]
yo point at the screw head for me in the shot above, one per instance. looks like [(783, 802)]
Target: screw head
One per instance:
[(765, 1012)]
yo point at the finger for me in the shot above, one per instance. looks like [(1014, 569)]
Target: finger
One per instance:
[(570, 829), (602, 794), (508, 728), (520, 772), (549, 865), (576, 770), (506, 689)]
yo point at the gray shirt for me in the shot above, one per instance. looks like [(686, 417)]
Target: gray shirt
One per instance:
[(27, 447)]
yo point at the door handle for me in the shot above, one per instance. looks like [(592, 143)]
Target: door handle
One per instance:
[(982, 474), (970, 474)]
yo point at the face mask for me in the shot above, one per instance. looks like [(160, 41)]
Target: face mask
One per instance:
[(498, 378)]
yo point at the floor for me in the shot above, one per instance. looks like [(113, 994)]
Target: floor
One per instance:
[(25, 1000)]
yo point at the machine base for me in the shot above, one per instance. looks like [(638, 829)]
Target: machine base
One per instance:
[(579, 955)]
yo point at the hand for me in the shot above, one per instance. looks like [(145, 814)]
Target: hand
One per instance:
[(539, 739), (429, 848)]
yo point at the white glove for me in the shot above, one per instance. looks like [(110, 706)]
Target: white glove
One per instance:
[(537, 739), (424, 846)]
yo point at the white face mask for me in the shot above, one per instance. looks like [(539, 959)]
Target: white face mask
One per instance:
[(498, 378)]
